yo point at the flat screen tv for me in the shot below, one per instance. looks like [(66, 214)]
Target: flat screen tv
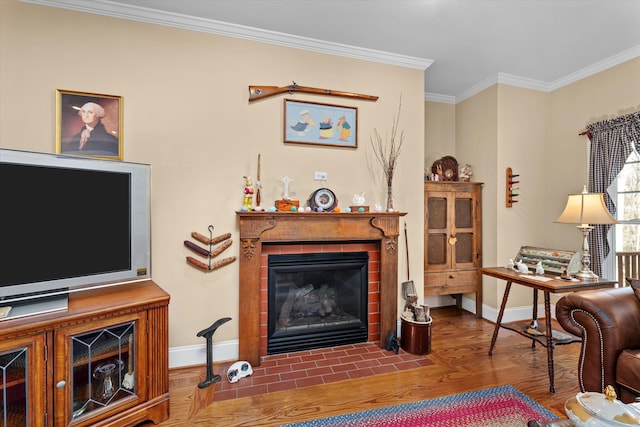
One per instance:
[(70, 223)]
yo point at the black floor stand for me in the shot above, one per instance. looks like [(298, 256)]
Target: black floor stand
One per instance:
[(208, 334)]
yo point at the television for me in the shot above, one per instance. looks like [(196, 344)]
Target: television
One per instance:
[(70, 223)]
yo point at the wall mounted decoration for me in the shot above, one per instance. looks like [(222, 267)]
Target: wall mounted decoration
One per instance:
[(320, 124), (509, 182), (89, 124), (261, 92), (210, 253)]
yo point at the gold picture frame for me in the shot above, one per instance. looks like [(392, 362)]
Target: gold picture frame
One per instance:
[(89, 124)]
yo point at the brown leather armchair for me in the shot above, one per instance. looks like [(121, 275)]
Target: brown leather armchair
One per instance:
[(608, 321)]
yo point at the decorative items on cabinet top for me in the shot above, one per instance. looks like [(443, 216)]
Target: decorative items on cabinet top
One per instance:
[(448, 169), (445, 168)]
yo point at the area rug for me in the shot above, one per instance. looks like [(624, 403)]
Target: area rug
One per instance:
[(503, 406)]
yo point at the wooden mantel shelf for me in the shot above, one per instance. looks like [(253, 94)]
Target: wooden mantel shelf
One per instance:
[(257, 228)]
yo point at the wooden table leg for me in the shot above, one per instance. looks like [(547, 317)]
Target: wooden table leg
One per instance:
[(499, 321), (534, 315), (547, 318)]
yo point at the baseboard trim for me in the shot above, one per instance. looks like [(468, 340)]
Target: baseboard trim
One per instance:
[(193, 355)]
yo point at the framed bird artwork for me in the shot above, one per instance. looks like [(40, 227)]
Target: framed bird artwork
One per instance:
[(314, 123)]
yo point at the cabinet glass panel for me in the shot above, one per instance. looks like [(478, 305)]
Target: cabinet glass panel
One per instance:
[(103, 367), (13, 374), (464, 247), (437, 249), (437, 208), (464, 213)]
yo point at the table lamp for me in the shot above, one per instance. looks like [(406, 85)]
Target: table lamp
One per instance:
[(586, 209)]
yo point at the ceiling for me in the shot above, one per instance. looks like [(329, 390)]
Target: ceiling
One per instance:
[(460, 44)]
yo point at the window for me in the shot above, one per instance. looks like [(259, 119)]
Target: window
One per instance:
[(625, 190)]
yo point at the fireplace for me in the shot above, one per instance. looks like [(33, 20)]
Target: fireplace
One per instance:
[(316, 300), (265, 233)]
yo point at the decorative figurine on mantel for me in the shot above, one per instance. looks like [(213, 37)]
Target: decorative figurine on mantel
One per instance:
[(248, 194), (286, 204), (258, 208), (286, 181), (359, 203)]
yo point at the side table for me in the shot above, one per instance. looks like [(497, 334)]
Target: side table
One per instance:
[(547, 284)]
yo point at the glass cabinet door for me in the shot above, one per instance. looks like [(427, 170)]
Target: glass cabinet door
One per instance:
[(450, 230), (464, 230), (15, 396), (21, 397), (437, 231), (103, 368)]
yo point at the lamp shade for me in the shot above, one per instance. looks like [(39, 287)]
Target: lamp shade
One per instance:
[(586, 208)]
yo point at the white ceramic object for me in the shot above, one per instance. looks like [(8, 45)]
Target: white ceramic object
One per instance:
[(598, 411)]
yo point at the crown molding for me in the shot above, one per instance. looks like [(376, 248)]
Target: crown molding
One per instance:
[(596, 68), (151, 16), (437, 97), (523, 82)]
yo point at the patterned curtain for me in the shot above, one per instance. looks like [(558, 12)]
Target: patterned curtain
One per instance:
[(612, 141)]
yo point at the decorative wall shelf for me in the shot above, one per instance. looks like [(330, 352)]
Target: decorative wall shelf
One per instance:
[(509, 182)]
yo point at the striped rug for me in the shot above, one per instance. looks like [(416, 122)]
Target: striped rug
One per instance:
[(503, 406)]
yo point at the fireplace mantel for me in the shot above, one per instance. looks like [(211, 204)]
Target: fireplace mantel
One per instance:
[(257, 228)]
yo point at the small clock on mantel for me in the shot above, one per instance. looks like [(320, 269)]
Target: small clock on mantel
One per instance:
[(324, 199), (446, 167)]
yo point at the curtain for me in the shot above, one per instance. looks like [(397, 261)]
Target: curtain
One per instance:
[(612, 141)]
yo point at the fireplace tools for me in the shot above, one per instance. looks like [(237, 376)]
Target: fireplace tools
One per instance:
[(208, 334), (391, 344), (412, 310), (408, 288)]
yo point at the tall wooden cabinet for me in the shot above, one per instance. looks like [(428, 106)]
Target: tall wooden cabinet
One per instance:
[(102, 362), (453, 240)]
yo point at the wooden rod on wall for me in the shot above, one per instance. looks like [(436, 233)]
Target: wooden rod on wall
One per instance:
[(585, 132)]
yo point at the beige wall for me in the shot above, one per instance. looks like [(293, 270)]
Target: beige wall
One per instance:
[(439, 132), (608, 94), (186, 113), (536, 134), (476, 142)]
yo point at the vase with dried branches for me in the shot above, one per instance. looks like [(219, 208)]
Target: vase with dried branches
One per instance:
[(386, 151)]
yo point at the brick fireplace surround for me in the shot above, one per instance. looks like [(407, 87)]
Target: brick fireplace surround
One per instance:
[(307, 231)]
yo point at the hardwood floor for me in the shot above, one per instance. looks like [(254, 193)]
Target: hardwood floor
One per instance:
[(460, 344)]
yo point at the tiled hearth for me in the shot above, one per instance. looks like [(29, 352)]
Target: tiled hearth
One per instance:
[(321, 366)]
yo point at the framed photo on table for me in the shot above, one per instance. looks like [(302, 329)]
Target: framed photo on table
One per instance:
[(89, 124), (314, 123)]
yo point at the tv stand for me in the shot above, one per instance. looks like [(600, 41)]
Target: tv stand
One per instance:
[(40, 305), (102, 361)]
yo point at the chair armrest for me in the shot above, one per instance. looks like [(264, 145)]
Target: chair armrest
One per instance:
[(608, 321)]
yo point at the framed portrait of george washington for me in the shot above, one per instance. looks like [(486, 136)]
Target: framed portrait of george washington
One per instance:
[(89, 124)]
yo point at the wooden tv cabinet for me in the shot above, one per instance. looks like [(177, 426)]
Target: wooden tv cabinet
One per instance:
[(102, 362)]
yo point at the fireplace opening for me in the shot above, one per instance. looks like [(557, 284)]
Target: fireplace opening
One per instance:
[(316, 300)]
